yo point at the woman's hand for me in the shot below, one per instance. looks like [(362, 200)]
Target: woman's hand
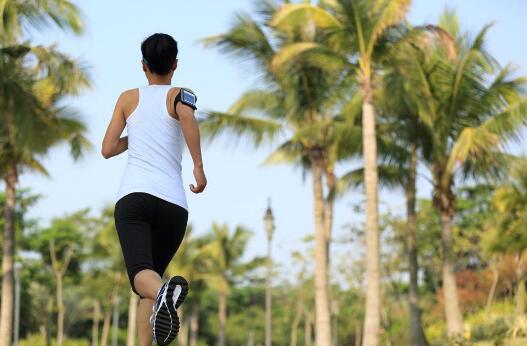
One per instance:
[(201, 180)]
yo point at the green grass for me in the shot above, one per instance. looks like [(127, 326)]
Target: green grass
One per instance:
[(508, 342)]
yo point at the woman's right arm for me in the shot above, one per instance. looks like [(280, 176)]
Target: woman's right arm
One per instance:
[(113, 144)]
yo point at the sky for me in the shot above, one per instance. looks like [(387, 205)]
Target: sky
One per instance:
[(238, 185)]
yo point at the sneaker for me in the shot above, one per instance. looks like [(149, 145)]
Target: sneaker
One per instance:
[(165, 320)]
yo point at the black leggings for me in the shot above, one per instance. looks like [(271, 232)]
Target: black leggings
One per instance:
[(150, 231)]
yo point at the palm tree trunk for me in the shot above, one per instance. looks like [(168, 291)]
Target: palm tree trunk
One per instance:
[(492, 292), (222, 317), (358, 330), (296, 322), (106, 326), (308, 329), (194, 323), (520, 298), (417, 335), (520, 290), (132, 319), (6, 310), (322, 315), (452, 310), (95, 327), (108, 313), (60, 310), (183, 331), (372, 318)]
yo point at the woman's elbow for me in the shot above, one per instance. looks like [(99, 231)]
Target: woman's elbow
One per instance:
[(106, 152)]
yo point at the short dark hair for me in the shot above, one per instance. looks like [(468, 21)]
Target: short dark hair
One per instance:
[(159, 52)]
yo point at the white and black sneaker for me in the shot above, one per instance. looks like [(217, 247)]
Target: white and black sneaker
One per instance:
[(165, 320)]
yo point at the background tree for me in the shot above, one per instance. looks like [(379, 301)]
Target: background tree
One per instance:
[(224, 251), (29, 98)]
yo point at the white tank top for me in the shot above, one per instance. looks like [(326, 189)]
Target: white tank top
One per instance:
[(155, 147)]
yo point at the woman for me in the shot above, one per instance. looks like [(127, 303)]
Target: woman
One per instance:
[(151, 209)]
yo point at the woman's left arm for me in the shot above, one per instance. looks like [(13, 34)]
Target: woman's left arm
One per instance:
[(113, 144)]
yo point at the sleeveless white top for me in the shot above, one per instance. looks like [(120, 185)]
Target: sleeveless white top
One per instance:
[(155, 147)]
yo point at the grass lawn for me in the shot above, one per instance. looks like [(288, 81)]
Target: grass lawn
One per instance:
[(508, 342)]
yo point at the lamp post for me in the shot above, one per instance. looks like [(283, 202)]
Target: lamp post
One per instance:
[(269, 228)]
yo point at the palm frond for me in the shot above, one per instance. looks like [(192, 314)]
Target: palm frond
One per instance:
[(293, 15), (391, 13), (254, 128)]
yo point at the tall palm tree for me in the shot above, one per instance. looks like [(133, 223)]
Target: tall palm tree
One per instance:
[(32, 122), (469, 108), (31, 100), (357, 32), (223, 253), (300, 100)]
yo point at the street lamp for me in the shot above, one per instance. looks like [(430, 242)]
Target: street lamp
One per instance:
[(269, 228)]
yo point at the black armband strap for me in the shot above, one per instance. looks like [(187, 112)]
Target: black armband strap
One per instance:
[(186, 97)]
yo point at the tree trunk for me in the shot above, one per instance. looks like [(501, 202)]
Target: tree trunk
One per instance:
[(520, 290), (194, 323), (108, 313), (417, 335), (372, 318), (296, 322), (115, 320), (132, 319), (106, 326), (60, 310), (358, 330), (95, 326), (59, 270), (222, 317), (308, 329), (48, 320), (183, 331), (492, 292), (322, 314), (6, 310), (452, 310)]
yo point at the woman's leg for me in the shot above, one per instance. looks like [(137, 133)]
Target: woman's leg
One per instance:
[(147, 282), (144, 327)]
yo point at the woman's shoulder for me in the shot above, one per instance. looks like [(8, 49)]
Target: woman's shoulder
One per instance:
[(129, 100)]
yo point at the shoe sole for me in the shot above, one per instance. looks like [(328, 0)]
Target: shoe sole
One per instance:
[(166, 324), (181, 282)]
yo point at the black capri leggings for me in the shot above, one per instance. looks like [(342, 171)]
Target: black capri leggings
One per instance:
[(150, 231)]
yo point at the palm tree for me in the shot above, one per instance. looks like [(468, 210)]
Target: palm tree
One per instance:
[(25, 97), (191, 264), (300, 100), (507, 234), (469, 108), (358, 32), (15, 13), (32, 122), (223, 253)]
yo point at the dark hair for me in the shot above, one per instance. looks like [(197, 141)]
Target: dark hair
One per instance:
[(159, 53)]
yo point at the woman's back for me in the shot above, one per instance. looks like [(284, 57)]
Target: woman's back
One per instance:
[(155, 146)]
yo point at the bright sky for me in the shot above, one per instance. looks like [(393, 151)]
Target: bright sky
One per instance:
[(238, 186)]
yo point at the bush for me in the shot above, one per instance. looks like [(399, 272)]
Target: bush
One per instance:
[(494, 330)]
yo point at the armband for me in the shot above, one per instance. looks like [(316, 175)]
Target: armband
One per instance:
[(186, 97)]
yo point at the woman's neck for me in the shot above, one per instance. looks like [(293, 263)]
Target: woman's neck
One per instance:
[(159, 80)]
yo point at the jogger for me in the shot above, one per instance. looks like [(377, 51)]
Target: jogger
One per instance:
[(150, 231), (151, 211)]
